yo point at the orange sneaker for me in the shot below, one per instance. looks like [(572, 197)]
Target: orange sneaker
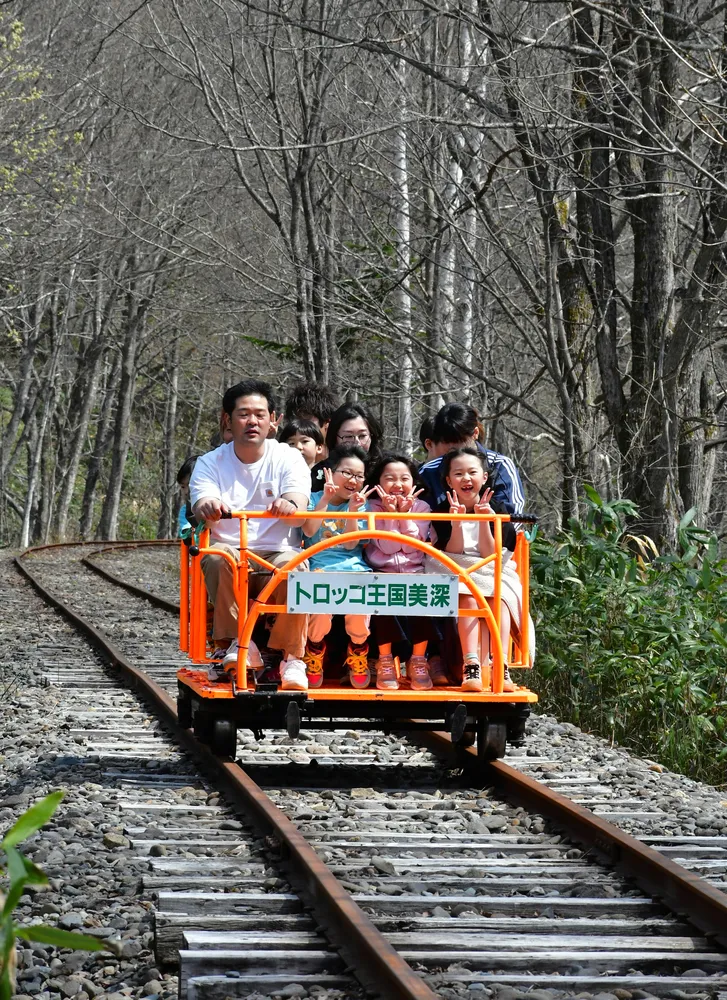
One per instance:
[(357, 662), (313, 659)]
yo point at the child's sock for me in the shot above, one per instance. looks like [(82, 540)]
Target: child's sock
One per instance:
[(316, 647)]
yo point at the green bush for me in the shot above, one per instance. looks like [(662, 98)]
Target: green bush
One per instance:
[(633, 645), (19, 873)]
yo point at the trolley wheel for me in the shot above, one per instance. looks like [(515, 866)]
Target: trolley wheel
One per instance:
[(292, 719), (202, 725), (467, 739), (224, 738), (491, 739), (457, 723), (184, 708)]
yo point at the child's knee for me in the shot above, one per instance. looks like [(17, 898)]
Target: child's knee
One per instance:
[(357, 627), (318, 626)]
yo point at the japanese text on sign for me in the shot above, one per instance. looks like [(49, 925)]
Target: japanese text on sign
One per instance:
[(373, 593)]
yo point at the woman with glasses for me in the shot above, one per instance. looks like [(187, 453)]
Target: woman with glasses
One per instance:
[(351, 424), (343, 491)]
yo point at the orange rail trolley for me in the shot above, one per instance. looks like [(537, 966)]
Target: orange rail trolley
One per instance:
[(216, 709)]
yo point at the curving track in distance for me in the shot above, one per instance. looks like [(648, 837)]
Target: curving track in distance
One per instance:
[(624, 938)]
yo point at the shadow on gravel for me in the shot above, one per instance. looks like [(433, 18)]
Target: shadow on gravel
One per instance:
[(318, 775), (67, 770)]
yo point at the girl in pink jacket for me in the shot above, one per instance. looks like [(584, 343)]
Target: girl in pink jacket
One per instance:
[(394, 478)]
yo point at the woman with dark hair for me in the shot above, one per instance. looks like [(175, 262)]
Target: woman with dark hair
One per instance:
[(351, 424)]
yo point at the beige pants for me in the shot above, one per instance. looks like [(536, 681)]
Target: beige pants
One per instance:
[(289, 631), (357, 627)]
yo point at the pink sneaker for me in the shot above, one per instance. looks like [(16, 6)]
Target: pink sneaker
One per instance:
[(417, 670), (438, 674), (386, 674)]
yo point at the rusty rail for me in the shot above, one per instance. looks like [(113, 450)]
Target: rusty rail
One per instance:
[(148, 595), (374, 962), (681, 891)]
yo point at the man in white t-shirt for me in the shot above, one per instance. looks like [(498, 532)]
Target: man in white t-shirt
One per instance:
[(252, 472)]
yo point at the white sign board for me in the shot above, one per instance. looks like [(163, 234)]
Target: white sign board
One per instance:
[(420, 594)]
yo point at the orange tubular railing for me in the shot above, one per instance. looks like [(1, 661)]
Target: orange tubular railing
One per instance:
[(184, 598), (198, 610)]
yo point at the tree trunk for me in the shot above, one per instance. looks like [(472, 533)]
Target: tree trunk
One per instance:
[(402, 295), (169, 465), (108, 522), (104, 431)]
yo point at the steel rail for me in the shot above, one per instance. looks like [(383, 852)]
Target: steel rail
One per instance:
[(155, 599), (681, 891), (684, 893), (369, 956)]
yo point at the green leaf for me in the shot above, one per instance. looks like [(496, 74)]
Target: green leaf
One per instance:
[(32, 820), (62, 939), (12, 899), (688, 518), (6, 990), (16, 868), (7, 943), (593, 495)]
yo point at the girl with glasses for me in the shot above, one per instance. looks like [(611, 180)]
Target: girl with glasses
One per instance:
[(343, 490)]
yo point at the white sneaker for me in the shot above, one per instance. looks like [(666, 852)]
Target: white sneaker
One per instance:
[(472, 676), (216, 672), (293, 675), (254, 659)]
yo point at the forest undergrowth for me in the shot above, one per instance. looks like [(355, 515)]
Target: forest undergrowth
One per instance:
[(632, 645)]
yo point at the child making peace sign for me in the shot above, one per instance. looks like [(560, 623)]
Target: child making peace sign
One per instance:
[(343, 491)]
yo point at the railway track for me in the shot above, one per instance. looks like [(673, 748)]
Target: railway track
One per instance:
[(456, 890)]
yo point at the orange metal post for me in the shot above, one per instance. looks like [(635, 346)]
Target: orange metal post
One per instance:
[(198, 621), (194, 607), (183, 597), (525, 609), (498, 664), (241, 590)]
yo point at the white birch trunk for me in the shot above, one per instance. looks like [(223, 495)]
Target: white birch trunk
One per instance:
[(402, 297)]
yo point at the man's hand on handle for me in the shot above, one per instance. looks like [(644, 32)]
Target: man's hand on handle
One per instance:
[(209, 509)]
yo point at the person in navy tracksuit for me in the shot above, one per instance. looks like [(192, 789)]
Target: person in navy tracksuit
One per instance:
[(456, 426)]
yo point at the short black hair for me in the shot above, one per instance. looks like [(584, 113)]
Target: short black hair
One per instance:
[(311, 399), (426, 431), (346, 451), (351, 411), (298, 426), (455, 423), (456, 453), (186, 468), (376, 469), (247, 387)]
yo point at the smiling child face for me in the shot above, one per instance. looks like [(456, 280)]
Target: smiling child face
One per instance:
[(396, 479), (349, 477), (466, 477)]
